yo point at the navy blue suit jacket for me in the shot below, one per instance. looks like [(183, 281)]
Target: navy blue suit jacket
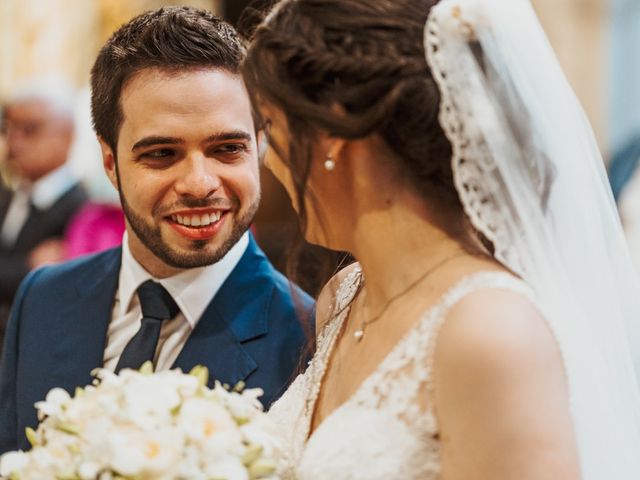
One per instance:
[(56, 334)]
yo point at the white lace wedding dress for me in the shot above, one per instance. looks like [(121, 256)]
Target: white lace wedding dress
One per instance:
[(381, 432)]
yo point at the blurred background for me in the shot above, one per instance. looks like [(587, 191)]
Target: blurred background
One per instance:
[(597, 42)]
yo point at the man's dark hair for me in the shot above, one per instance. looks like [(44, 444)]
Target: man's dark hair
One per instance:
[(170, 38)]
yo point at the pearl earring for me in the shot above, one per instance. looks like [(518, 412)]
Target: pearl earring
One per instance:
[(329, 163)]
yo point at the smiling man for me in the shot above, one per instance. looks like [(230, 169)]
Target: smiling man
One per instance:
[(189, 285)]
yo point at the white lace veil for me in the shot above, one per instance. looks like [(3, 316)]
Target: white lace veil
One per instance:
[(531, 178)]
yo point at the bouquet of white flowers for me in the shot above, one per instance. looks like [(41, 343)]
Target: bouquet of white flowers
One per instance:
[(143, 425)]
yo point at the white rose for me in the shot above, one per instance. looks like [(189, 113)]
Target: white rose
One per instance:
[(136, 453), (229, 468), (52, 406), (89, 470), (13, 462), (246, 405), (53, 459), (261, 431), (210, 426), (149, 401)]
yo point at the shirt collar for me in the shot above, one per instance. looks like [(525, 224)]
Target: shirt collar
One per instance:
[(48, 189), (192, 289)]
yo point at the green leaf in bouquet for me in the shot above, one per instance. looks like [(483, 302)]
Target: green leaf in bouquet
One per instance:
[(252, 453), (262, 468), (239, 387), (69, 428), (201, 373), (68, 476), (32, 436), (147, 368)]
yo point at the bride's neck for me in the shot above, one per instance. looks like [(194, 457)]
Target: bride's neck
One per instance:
[(396, 245)]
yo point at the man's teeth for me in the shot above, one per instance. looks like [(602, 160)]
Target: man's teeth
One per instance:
[(201, 220)]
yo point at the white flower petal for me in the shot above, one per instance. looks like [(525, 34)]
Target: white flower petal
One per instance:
[(13, 462)]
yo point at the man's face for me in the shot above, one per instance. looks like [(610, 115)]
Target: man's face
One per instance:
[(38, 136), (186, 168)]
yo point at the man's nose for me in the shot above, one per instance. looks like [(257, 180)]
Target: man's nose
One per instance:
[(15, 143), (198, 177), (13, 135)]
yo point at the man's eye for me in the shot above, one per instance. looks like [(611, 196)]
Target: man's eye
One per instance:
[(156, 154), (232, 148)]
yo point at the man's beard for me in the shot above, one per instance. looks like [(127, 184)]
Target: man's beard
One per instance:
[(151, 235)]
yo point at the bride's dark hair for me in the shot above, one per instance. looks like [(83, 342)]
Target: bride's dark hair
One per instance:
[(368, 58)]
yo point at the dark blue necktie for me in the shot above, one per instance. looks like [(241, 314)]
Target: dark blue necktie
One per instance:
[(157, 306)]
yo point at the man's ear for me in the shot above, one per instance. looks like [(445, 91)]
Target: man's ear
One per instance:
[(263, 145), (109, 162)]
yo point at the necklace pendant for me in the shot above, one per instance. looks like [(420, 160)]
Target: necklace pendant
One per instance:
[(358, 334)]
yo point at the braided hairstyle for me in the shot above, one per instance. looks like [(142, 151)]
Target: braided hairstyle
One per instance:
[(368, 57)]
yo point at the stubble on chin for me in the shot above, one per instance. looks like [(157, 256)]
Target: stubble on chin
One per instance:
[(199, 254)]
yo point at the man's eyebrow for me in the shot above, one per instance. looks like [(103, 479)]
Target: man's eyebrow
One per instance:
[(233, 135), (216, 137), (156, 140)]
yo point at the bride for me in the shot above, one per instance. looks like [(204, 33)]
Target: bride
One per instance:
[(483, 332)]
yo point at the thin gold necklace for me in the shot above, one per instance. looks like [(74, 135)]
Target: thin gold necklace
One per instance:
[(359, 333)]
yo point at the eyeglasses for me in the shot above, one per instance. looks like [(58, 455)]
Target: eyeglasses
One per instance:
[(28, 130)]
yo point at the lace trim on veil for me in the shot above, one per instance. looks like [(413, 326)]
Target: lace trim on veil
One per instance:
[(475, 180)]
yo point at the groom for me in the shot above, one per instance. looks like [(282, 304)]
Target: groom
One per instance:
[(189, 285)]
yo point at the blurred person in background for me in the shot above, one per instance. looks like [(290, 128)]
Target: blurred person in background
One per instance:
[(99, 224), (4, 180), (38, 124)]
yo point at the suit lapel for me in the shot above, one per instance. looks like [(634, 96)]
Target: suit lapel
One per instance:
[(84, 320), (237, 314)]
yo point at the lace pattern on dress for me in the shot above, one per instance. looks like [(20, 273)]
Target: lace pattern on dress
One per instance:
[(292, 413), (386, 415), (401, 378), (345, 294)]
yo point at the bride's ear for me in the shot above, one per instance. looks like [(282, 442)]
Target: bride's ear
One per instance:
[(336, 147)]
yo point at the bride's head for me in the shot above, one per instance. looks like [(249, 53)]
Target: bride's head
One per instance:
[(350, 109)]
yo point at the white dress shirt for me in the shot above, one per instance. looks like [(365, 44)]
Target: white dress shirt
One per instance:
[(192, 290), (42, 194)]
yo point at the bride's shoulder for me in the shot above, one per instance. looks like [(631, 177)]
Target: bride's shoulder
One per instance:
[(495, 332), (338, 285), (499, 376)]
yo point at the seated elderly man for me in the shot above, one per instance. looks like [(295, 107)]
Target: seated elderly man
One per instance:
[(38, 126)]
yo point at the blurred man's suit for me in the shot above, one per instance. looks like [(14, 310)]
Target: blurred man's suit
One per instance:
[(45, 218)]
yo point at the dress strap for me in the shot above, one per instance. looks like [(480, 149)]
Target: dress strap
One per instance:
[(430, 326), (400, 378), (344, 295), (484, 280)]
